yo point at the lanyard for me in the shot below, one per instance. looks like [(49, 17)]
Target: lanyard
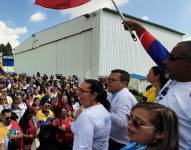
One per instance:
[(164, 91)]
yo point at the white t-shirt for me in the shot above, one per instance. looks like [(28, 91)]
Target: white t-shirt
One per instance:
[(121, 105), (92, 128), (9, 100), (75, 107), (177, 96)]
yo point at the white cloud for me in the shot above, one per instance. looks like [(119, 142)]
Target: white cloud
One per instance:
[(145, 18), (36, 17), (187, 38), (11, 35), (92, 6)]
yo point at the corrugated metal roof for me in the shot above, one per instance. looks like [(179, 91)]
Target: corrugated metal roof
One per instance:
[(148, 22)]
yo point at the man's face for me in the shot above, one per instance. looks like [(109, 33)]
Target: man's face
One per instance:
[(114, 83), (6, 119), (46, 107), (4, 92), (177, 65)]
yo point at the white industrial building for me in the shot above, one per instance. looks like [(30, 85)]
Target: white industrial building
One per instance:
[(90, 46)]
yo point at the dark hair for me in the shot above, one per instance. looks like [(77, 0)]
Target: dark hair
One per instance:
[(124, 74), (24, 122), (44, 100), (158, 71), (5, 111), (14, 116), (36, 98), (187, 46), (165, 121), (96, 86)]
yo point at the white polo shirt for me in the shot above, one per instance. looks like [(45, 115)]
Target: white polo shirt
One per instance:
[(177, 96)]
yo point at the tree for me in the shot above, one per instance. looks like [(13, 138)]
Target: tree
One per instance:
[(6, 49)]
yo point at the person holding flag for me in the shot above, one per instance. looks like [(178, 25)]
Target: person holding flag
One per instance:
[(176, 93)]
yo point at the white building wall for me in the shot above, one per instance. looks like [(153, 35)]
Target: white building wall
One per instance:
[(42, 59), (69, 48), (88, 47), (118, 50), (74, 55)]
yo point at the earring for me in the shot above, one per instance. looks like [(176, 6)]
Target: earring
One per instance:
[(155, 142)]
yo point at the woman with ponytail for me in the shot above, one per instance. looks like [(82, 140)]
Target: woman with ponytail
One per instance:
[(92, 125)]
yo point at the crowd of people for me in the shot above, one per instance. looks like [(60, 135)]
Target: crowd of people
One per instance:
[(59, 113), (37, 109)]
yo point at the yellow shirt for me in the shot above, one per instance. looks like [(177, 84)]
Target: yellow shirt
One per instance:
[(3, 133), (42, 117), (151, 94)]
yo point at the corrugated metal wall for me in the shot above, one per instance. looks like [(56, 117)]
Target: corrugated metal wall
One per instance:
[(69, 48), (118, 50), (88, 47), (42, 59)]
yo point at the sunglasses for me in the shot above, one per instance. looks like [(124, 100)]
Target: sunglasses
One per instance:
[(137, 123), (174, 58), (8, 118)]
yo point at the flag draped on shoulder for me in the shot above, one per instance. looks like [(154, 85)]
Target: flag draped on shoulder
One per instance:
[(60, 4)]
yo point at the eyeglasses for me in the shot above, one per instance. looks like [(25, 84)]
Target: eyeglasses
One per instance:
[(47, 105), (7, 118), (112, 80), (137, 123), (174, 58), (83, 91)]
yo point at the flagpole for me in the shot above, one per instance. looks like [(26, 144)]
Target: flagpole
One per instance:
[(123, 18)]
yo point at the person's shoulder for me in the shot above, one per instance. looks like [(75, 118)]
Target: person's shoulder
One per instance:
[(9, 97), (39, 112), (126, 94), (15, 125), (184, 84), (91, 112)]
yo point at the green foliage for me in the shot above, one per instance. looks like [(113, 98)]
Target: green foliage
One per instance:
[(137, 95), (6, 49)]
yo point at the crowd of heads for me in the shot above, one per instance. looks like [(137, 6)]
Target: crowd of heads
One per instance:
[(45, 98)]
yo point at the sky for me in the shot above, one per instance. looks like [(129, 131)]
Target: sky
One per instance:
[(19, 19)]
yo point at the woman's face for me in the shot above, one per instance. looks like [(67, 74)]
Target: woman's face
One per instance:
[(140, 129), (151, 78), (64, 99), (84, 94), (63, 114), (3, 100), (16, 103), (37, 102)]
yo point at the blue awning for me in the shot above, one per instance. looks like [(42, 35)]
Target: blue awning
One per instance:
[(137, 76)]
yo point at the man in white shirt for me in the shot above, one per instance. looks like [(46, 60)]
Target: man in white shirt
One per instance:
[(176, 94), (4, 94), (121, 101)]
